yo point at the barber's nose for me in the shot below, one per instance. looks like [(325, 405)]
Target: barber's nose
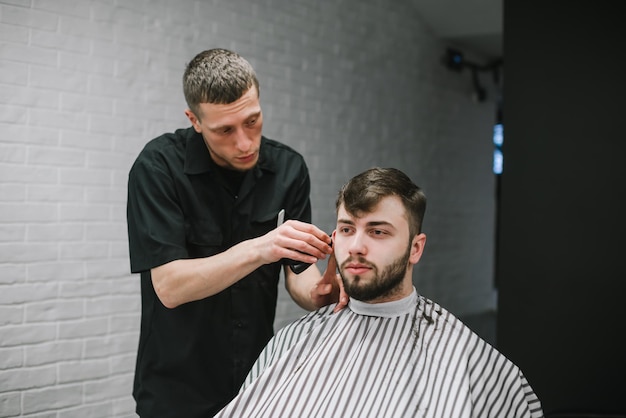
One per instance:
[(243, 142)]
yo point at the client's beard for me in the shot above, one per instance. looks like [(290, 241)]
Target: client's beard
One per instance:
[(382, 285)]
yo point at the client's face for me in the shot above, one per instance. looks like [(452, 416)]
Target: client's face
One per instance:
[(373, 252)]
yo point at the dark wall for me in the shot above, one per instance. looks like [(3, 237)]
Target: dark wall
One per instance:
[(561, 269)]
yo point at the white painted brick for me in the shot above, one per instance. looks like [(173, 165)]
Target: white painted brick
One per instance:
[(26, 252), (11, 315), (137, 36), (31, 55), (15, 335), (114, 51), (76, 371), (56, 157), (12, 233), (99, 410), (109, 86), (52, 398), (24, 212), (85, 28), (59, 42), (13, 114), (86, 140), (23, 174), (72, 102), (58, 79), (127, 107), (109, 232), (126, 285), (57, 119), (64, 7), (44, 414), (91, 327), (113, 305), (12, 273), (12, 153), (55, 232), (125, 363), (11, 404), (124, 407), (120, 251), (28, 135), (114, 125), (23, 3), (14, 73), (86, 63), (126, 323), (22, 293), (54, 310), (105, 347), (84, 288), (52, 352), (111, 160), (30, 97), (111, 268), (111, 195), (54, 193), (125, 14), (82, 251), (75, 176), (113, 387), (12, 357), (55, 271), (12, 192), (29, 18)]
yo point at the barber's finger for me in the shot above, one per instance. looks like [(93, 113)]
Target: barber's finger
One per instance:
[(343, 296), (304, 243), (308, 229)]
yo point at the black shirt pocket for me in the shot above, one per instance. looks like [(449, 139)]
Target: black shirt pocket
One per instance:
[(204, 238), (262, 223)]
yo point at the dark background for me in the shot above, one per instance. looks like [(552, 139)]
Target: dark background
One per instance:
[(562, 229)]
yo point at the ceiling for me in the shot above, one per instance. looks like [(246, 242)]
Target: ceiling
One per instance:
[(472, 26)]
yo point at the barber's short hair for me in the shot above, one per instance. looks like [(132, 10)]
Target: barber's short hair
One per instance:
[(217, 76), (363, 192)]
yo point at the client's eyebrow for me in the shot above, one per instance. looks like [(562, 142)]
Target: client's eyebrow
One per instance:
[(370, 224)]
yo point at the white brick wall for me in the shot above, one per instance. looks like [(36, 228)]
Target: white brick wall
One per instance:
[(84, 85)]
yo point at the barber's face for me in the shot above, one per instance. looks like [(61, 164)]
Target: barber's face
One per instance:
[(374, 252), (232, 132)]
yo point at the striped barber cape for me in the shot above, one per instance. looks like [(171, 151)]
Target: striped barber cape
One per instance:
[(406, 358)]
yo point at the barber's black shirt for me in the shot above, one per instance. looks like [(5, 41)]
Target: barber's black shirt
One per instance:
[(192, 359)]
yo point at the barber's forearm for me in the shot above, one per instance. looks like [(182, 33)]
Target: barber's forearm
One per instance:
[(182, 281), (299, 286)]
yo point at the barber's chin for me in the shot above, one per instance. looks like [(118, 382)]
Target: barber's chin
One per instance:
[(246, 162)]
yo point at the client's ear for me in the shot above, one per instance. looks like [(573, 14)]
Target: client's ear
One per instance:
[(417, 248)]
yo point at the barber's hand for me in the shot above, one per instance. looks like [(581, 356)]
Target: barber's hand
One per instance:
[(297, 241), (330, 288)]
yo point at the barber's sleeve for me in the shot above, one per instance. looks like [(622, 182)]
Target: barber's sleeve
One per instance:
[(155, 220)]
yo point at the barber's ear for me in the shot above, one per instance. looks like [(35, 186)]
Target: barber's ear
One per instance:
[(417, 248), (195, 122)]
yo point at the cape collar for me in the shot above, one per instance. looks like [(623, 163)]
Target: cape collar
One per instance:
[(385, 309)]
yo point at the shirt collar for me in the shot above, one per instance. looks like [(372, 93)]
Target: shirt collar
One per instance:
[(385, 309), (198, 159)]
